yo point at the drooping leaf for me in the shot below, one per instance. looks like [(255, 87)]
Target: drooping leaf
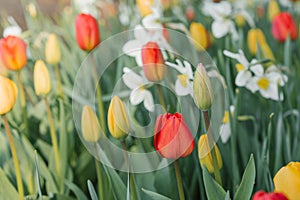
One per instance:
[(244, 191), (154, 195), (7, 190), (92, 190)]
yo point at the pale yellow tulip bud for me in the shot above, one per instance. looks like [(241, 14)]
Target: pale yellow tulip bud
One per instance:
[(52, 50), (8, 95), (90, 126), (255, 37), (117, 119), (273, 9), (267, 52), (240, 20), (32, 10), (200, 36), (203, 95), (42, 81), (204, 153), (144, 6)]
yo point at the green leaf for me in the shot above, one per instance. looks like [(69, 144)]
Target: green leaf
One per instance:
[(227, 196), (244, 191), (213, 190), (92, 190), (7, 190), (154, 195), (77, 191)]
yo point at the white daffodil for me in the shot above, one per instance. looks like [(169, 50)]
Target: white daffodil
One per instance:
[(221, 13), (139, 92), (225, 130), (244, 74), (266, 83), (86, 6), (13, 29), (184, 81)]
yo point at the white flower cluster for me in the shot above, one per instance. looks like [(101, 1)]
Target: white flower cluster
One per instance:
[(254, 77)]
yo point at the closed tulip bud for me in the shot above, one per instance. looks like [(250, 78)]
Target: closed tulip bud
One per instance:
[(90, 126), (52, 50), (172, 137), (205, 156), (261, 195), (190, 13), (273, 9), (283, 26), (203, 95), (240, 20), (117, 119), (8, 95), (87, 32), (200, 36), (32, 10), (267, 52), (144, 7), (153, 62), (42, 81), (13, 52), (287, 180), (255, 37)]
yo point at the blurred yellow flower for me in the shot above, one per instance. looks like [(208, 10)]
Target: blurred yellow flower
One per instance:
[(287, 180), (203, 96), (255, 37), (273, 9), (144, 6), (240, 20), (205, 156), (52, 50), (8, 95), (200, 36), (117, 119), (42, 81), (90, 126)]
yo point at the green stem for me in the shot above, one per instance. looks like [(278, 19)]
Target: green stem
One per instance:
[(99, 96), (179, 181), (131, 179), (53, 139), (60, 91), (211, 143), (15, 158), (23, 102), (161, 96), (99, 177)]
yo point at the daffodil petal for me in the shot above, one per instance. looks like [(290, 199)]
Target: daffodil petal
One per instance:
[(242, 78), (132, 80), (133, 48), (137, 96), (181, 90), (225, 132), (148, 101), (220, 28)]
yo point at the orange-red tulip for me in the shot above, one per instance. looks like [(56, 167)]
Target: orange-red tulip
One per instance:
[(173, 139), (153, 62), (13, 52), (261, 195), (87, 32), (283, 25)]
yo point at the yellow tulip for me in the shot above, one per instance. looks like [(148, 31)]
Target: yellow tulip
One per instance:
[(144, 6), (267, 52), (273, 9), (205, 156), (52, 50), (117, 119), (287, 180), (8, 95), (200, 36), (90, 127), (203, 96), (255, 37), (42, 81)]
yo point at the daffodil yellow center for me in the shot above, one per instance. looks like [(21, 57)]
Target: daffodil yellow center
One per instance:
[(239, 67), (263, 83), (183, 79), (226, 117)]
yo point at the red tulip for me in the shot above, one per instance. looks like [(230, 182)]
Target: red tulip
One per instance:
[(153, 62), (261, 195), (87, 32), (283, 26), (13, 52), (173, 138)]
